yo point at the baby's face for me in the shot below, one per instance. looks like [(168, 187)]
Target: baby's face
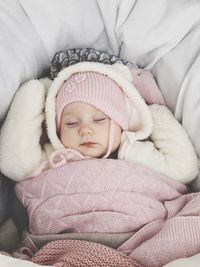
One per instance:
[(86, 129)]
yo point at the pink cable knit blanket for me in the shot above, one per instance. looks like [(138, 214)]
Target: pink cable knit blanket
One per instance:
[(107, 195), (99, 195)]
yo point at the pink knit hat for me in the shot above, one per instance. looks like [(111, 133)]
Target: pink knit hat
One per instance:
[(95, 89)]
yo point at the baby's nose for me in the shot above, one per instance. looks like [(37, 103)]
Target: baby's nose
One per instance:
[(85, 130)]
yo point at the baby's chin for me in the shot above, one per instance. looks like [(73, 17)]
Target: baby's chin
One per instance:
[(93, 153)]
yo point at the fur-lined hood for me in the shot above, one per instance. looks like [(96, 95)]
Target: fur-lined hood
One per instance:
[(140, 122)]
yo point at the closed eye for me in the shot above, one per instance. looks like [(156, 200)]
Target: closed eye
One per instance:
[(71, 124), (100, 120)]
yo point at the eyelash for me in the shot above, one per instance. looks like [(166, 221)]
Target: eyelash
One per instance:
[(99, 120), (74, 124), (71, 124)]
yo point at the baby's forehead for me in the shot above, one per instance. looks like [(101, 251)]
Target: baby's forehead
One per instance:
[(76, 108)]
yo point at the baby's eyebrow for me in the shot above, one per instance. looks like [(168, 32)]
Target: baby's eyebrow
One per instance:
[(99, 113), (65, 115)]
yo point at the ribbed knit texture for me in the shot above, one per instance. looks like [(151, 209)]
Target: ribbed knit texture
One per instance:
[(99, 195), (95, 89), (78, 253), (179, 236)]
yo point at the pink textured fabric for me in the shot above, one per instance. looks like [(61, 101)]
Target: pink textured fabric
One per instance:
[(59, 158), (163, 241), (116, 196), (81, 253), (95, 89), (145, 83), (96, 195)]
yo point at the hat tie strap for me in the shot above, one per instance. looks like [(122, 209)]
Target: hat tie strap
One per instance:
[(111, 138)]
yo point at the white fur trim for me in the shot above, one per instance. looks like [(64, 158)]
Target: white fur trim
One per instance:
[(170, 152), (115, 73), (124, 71), (20, 151), (46, 83)]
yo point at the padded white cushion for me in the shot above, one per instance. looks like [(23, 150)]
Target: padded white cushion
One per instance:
[(192, 261), (67, 24), (22, 54), (8, 261)]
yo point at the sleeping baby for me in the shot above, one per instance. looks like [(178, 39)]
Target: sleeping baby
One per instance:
[(94, 115), (109, 161)]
